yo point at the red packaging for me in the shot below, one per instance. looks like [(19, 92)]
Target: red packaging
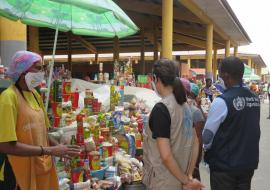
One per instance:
[(75, 99), (66, 97), (107, 150), (66, 87), (94, 160), (95, 101), (80, 139), (75, 175), (140, 124), (57, 109), (80, 130), (56, 122), (87, 102), (82, 156), (79, 120)]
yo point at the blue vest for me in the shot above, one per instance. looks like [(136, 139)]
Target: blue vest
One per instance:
[(235, 146)]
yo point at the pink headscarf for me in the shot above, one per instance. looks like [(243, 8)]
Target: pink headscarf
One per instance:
[(21, 62), (186, 84)]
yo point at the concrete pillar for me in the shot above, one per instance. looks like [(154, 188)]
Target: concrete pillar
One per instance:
[(156, 44), (96, 58), (227, 48), (235, 51), (209, 49), (12, 39), (215, 66), (250, 62), (167, 28), (259, 71)]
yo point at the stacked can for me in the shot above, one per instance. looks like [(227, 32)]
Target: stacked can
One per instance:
[(80, 130), (57, 102), (67, 90), (88, 100), (96, 105)]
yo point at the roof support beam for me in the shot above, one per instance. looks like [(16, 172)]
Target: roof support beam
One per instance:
[(189, 4), (155, 9), (151, 37), (190, 41), (85, 43), (110, 50)]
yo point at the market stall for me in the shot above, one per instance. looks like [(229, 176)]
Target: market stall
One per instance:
[(108, 122)]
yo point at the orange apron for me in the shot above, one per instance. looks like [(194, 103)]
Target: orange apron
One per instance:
[(37, 172)]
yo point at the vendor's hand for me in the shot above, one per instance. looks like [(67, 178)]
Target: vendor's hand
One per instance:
[(193, 184), (64, 150)]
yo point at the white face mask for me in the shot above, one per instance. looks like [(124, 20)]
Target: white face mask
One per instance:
[(221, 81), (155, 88), (34, 79)]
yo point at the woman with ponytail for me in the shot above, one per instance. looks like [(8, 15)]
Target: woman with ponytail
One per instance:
[(170, 150)]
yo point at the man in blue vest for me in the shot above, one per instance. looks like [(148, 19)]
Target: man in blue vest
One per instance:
[(232, 131)]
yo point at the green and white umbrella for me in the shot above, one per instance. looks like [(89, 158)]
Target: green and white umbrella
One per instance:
[(101, 18), (83, 17)]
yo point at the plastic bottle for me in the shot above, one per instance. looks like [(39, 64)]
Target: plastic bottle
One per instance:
[(86, 167)]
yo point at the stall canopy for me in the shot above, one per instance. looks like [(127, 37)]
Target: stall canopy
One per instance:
[(249, 75)]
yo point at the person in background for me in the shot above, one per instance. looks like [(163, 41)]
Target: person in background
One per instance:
[(198, 118), (232, 131), (87, 78), (208, 89), (170, 145), (26, 150)]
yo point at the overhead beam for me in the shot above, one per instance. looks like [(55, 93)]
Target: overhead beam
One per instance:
[(155, 9), (196, 32), (190, 41), (121, 50), (151, 37), (200, 14), (85, 43), (150, 22)]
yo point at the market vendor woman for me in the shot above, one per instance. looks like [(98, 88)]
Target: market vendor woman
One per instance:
[(169, 151), (25, 161)]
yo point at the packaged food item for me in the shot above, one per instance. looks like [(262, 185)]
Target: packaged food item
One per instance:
[(77, 175), (56, 121), (86, 168), (94, 158), (79, 120), (107, 149), (75, 99), (57, 85), (57, 109), (105, 132), (66, 87)]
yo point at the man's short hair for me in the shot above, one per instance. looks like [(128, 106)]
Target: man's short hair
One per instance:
[(233, 66)]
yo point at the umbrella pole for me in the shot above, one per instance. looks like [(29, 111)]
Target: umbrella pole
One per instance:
[(51, 70)]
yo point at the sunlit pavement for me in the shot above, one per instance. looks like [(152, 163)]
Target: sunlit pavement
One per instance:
[(261, 180)]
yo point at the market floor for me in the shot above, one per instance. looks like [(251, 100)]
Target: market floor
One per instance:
[(260, 180)]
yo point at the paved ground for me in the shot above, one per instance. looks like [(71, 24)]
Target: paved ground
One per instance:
[(261, 179)]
